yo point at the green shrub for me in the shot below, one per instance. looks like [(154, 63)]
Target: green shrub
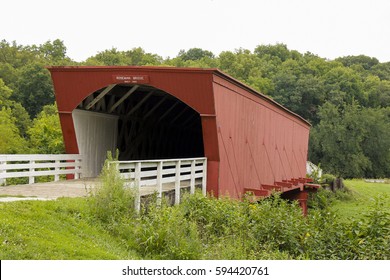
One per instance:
[(110, 201), (164, 233), (327, 180), (210, 228)]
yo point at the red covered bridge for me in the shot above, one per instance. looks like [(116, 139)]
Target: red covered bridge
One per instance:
[(250, 141)]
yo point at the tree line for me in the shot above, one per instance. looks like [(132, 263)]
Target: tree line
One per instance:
[(347, 100)]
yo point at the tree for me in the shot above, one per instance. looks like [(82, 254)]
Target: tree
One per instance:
[(34, 88), (5, 94), (365, 61), (110, 57), (337, 141), (376, 144), (18, 113), (279, 50), (10, 141), (378, 91), (53, 52), (344, 85), (45, 132), (195, 54), (137, 56)]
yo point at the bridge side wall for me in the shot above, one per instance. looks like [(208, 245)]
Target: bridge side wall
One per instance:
[(259, 142)]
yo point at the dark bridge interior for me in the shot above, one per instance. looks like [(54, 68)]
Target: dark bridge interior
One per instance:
[(152, 123)]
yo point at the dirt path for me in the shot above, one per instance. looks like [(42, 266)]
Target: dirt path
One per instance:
[(69, 188), (47, 191)]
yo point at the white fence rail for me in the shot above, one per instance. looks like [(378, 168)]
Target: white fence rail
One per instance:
[(159, 172), (31, 166)]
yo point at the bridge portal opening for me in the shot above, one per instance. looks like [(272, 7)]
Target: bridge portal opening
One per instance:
[(141, 121)]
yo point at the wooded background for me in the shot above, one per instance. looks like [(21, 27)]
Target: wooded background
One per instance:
[(347, 99)]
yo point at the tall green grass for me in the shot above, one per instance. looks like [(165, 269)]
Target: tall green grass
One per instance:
[(106, 226), (209, 228)]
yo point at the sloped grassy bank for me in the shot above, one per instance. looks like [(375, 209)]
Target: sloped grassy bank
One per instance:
[(105, 226)]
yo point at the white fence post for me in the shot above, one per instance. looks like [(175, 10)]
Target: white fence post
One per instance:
[(36, 165), (137, 174), (138, 200), (31, 179), (57, 176), (3, 164), (158, 173), (76, 169), (159, 178), (204, 178), (192, 180), (177, 182)]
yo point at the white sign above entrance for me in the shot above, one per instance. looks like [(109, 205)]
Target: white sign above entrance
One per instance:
[(131, 79)]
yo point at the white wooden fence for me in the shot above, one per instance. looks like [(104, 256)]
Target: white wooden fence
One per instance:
[(159, 172), (31, 166)]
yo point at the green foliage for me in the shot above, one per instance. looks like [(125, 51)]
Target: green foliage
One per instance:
[(45, 133), (110, 201), (135, 56), (199, 228), (352, 141), (10, 141), (347, 100), (163, 232), (34, 88), (365, 61), (327, 179), (195, 54)]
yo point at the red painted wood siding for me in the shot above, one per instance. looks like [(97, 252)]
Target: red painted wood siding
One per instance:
[(259, 143)]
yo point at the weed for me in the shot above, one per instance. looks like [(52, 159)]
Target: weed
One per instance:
[(110, 202)]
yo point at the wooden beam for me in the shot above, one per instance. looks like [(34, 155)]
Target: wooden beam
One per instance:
[(101, 105), (134, 88), (168, 111), (179, 115), (87, 100), (155, 106), (188, 119), (111, 101), (146, 97), (100, 96)]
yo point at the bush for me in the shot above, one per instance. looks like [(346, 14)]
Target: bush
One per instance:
[(111, 202), (327, 180), (210, 228)]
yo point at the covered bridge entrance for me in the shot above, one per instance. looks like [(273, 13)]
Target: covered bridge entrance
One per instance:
[(250, 141)]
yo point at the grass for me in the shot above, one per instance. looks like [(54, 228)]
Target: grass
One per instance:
[(363, 197), (55, 230), (105, 227)]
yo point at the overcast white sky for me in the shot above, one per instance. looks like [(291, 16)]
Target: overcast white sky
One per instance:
[(328, 28)]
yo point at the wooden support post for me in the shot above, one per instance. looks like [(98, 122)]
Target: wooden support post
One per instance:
[(177, 182), (204, 178), (57, 176), (31, 179), (192, 181)]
